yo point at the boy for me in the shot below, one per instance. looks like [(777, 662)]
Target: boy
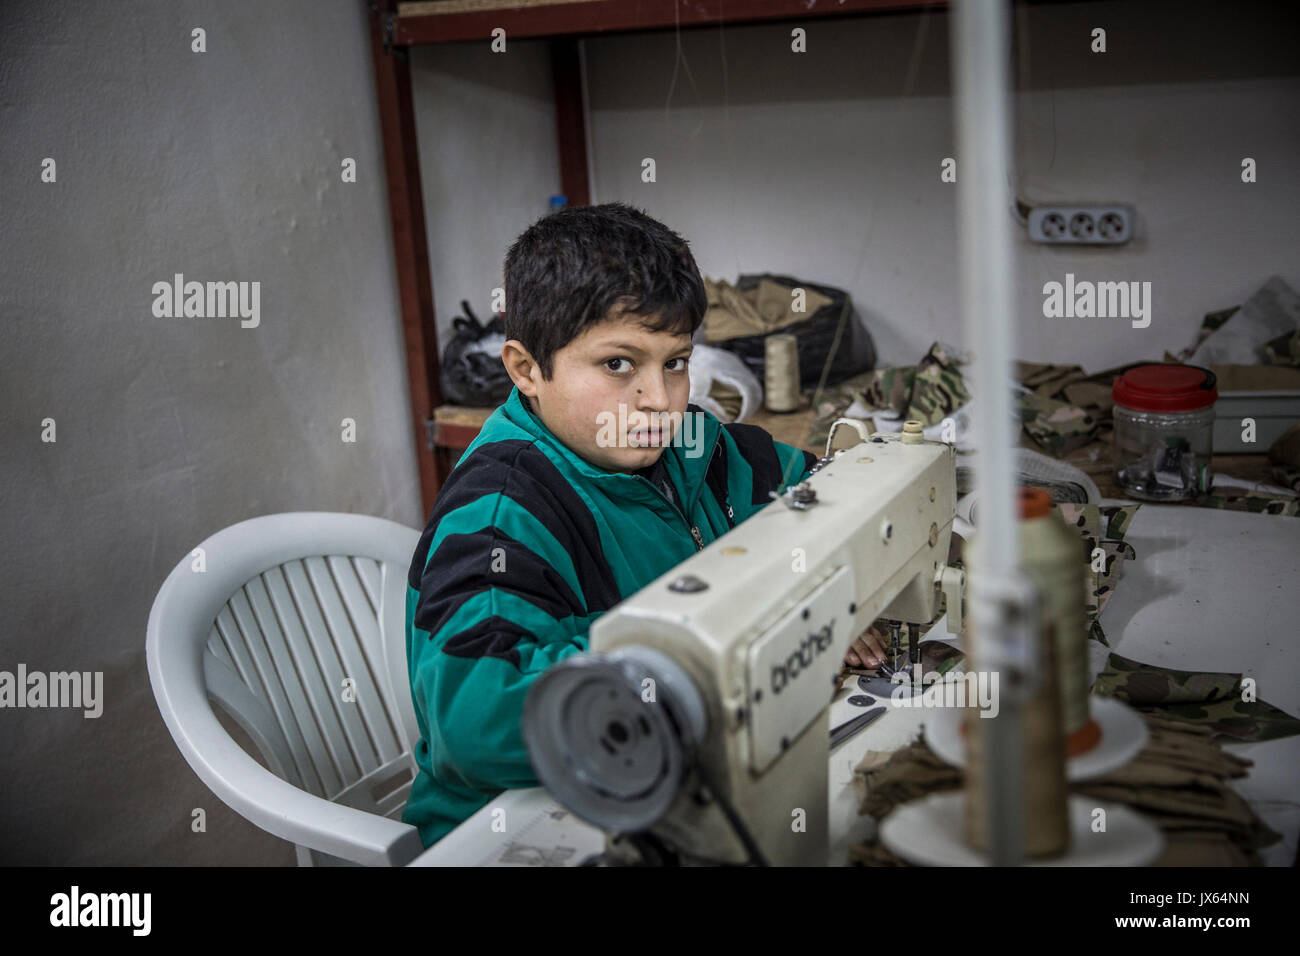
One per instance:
[(593, 479)]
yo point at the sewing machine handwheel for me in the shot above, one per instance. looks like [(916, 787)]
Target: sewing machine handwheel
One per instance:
[(608, 744)]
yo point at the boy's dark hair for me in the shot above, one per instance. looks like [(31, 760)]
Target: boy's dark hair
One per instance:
[(571, 268)]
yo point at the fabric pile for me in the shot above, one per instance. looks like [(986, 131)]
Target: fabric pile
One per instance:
[(1062, 409), (1179, 781), (762, 309)]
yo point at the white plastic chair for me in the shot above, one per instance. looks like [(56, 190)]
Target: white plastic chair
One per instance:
[(286, 607)]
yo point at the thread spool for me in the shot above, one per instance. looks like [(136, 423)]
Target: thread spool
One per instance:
[(1044, 798), (1050, 556), (781, 373)]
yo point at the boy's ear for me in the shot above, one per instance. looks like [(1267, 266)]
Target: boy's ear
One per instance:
[(520, 366)]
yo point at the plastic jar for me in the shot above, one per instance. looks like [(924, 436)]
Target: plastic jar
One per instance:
[(1164, 431)]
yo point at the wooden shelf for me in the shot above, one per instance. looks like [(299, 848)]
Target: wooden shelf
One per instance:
[(458, 21)]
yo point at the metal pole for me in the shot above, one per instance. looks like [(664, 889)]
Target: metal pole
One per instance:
[(980, 53)]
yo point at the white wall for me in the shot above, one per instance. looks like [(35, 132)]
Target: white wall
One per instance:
[(826, 165), (223, 165)]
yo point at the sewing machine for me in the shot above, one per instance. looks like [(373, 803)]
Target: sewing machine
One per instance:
[(695, 729)]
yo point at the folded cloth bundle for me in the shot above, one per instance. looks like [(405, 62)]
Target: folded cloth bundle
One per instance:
[(768, 307), (1179, 781)]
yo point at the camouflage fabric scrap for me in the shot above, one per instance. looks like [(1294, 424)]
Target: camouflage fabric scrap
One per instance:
[(1212, 322), (1101, 526), (1284, 350), (832, 402), (1068, 408), (1290, 477), (1056, 427), (889, 388), (1254, 503), (1208, 698), (938, 389), (1047, 380)]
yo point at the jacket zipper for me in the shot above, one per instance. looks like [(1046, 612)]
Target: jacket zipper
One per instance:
[(695, 531), (726, 497)]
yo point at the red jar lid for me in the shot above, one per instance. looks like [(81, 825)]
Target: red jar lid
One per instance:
[(1166, 388)]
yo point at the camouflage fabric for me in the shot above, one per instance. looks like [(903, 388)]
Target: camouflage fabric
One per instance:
[(1209, 325), (1101, 526), (938, 390), (1286, 450), (1284, 350), (1211, 699), (1047, 380), (937, 657), (889, 388), (1068, 408), (1254, 503), (833, 401), (1094, 394), (1290, 477), (1056, 427)]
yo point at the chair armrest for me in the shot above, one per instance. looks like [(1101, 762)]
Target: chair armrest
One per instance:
[(300, 817)]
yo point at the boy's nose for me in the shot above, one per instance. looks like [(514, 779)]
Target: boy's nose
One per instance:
[(652, 395)]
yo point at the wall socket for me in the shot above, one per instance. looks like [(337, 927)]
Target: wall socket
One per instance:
[(1091, 225)]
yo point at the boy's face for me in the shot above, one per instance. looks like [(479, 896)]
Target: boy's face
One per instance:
[(617, 392)]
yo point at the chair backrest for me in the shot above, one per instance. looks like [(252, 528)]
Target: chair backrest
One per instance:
[(296, 624)]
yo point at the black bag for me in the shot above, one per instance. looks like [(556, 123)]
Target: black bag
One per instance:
[(855, 352), (472, 371)]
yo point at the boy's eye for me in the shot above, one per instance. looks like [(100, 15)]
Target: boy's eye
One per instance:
[(685, 360)]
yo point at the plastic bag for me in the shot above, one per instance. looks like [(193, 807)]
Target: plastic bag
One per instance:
[(472, 371), (711, 365)]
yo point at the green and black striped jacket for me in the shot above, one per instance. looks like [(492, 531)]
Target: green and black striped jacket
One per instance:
[(526, 546)]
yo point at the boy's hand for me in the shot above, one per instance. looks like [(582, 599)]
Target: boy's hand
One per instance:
[(869, 650)]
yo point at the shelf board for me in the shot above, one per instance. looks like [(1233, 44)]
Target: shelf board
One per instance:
[(458, 21)]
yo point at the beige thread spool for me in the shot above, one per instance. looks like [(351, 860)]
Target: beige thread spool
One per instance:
[(781, 373), (1044, 796)]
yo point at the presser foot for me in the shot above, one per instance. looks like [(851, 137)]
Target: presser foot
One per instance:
[(883, 683)]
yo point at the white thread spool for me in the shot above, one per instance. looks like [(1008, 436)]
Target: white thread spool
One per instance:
[(781, 373)]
